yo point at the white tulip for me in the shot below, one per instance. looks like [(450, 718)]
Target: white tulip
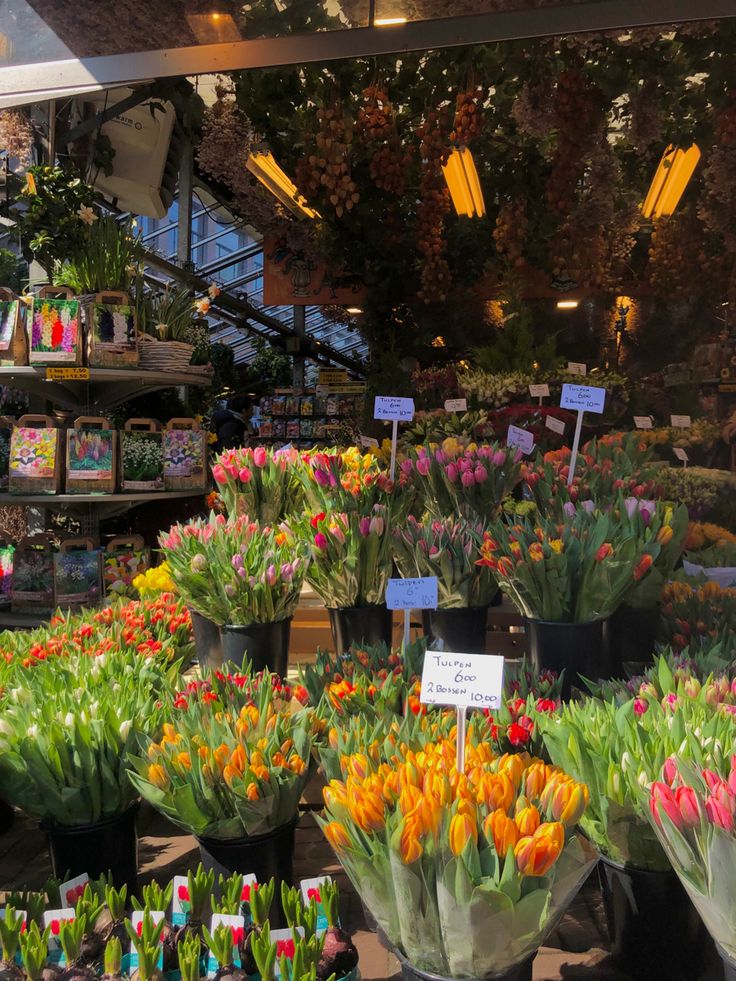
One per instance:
[(125, 729)]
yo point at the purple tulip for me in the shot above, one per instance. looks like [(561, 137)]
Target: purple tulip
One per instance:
[(237, 561), (243, 573), (588, 506), (321, 477), (271, 575), (377, 525), (569, 509), (287, 572)]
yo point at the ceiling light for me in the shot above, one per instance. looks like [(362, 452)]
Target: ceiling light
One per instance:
[(354, 310), (388, 21), (263, 166), (567, 304), (462, 181), (672, 177)]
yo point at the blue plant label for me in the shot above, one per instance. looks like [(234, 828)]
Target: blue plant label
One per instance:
[(583, 398), (393, 408), (412, 594)]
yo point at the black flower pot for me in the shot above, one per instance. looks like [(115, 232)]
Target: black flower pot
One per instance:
[(265, 645), (268, 856), (462, 630), (7, 817), (629, 635), (357, 625), (109, 845), (207, 641), (576, 648), (729, 965), (655, 930), (520, 972)]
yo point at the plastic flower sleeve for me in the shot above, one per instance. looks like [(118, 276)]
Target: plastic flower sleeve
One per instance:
[(415, 887), (488, 928)]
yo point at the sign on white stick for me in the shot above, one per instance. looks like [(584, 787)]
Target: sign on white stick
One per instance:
[(462, 680), (577, 368), (412, 594), (643, 422), (680, 422), (456, 405), (394, 408), (522, 438), (583, 398)]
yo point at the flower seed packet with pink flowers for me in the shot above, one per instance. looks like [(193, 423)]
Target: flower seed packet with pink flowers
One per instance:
[(284, 940), (158, 916), (184, 457), (73, 890), (237, 925), (311, 891), (55, 331), (52, 918)]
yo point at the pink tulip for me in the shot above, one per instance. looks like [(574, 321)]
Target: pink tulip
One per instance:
[(406, 467), (640, 706), (498, 458), (377, 525), (337, 532), (219, 473), (670, 770), (464, 464), (663, 799), (364, 526), (440, 456), (423, 466), (232, 469), (320, 540), (467, 479), (480, 473), (451, 471), (687, 801), (287, 572), (260, 456), (244, 475), (718, 814), (713, 780), (271, 575)]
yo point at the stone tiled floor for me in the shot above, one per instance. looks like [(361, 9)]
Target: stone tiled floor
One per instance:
[(165, 851)]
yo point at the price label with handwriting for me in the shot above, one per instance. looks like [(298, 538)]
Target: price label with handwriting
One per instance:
[(680, 453), (577, 368), (643, 422), (521, 438), (412, 594), (393, 408), (556, 425), (583, 398), (539, 391), (680, 422), (462, 680), (456, 405)]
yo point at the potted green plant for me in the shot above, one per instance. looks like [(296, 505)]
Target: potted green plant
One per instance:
[(167, 322)]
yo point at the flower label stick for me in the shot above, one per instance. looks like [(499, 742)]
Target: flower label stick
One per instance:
[(397, 410), (539, 392), (411, 594), (456, 405), (581, 399)]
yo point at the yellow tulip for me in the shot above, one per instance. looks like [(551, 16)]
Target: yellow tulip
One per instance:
[(410, 847), (158, 776), (537, 853), (462, 830), (337, 835), (527, 820), (502, 829)]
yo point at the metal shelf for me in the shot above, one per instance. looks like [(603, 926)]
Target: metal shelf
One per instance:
[(106, 387), (105, 505), (22, 621)]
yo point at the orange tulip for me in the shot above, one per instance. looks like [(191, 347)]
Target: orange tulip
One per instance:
[(335, 794), (537, 853), (221, 756), (409, 798), (527, 819), (410, 847), (462, 830), (535, 779), (502, 829), (170, 735), (337, 835), (428, 815), (367, 810), (253, 791), (158, 776), (495, 790), (230, 775), (569, 802), (238, 758), (184, 760)]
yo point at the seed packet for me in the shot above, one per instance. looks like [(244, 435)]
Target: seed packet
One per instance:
[(141, 457)]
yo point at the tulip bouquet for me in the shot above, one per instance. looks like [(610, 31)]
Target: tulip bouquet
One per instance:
[(343, 479), (692, 809), (572, 571), (711, 666), (472, 483), (351, 557), (653, 521), (259, 482), (446, 549), (693, 612), (617, 749), (65, 732), (235, 571), (464, 873), (223, 771)]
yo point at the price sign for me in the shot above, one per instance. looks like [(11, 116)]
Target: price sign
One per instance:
[(393, 408), (576, 368), (456, 405), (412, 594), (680, 422), (681, 454), (556, 425), (67, 374), (583, 398), (462, 680), (521, 438), (332, 376), (643, 422), (369, 441), (539, 391)]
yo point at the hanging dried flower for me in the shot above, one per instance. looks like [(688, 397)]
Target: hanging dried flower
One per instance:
[(16, 135)]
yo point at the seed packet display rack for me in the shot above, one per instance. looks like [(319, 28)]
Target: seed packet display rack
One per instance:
[(85, 392)]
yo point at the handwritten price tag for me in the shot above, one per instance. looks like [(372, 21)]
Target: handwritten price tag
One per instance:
[(462, 680), (539, 391), (577, 368), (643, 422), (556, 425), (456, 405), (393, 408), (680, 422), (412, 594), (680, 453), (583, 398), (521, 438)]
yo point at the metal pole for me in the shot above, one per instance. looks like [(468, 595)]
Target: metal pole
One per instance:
[(300, 330), (184, 221)]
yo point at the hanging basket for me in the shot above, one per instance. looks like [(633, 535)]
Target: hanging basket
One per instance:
[(163, 355)]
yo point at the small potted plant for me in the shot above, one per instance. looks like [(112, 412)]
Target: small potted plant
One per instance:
[(11, 927), (34, 951), (147, 945), (166, 322)]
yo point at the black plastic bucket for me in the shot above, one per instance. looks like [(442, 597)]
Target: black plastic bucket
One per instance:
[(109, 845), (629, 635), (576, 648), (729, 965), (655, 930), (268, 856), (207, 641), (462, 630), (265, 645), (520, 972), (355, 625), (7, 817)]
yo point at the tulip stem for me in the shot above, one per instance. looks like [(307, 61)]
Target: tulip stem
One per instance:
[(462, 713)]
